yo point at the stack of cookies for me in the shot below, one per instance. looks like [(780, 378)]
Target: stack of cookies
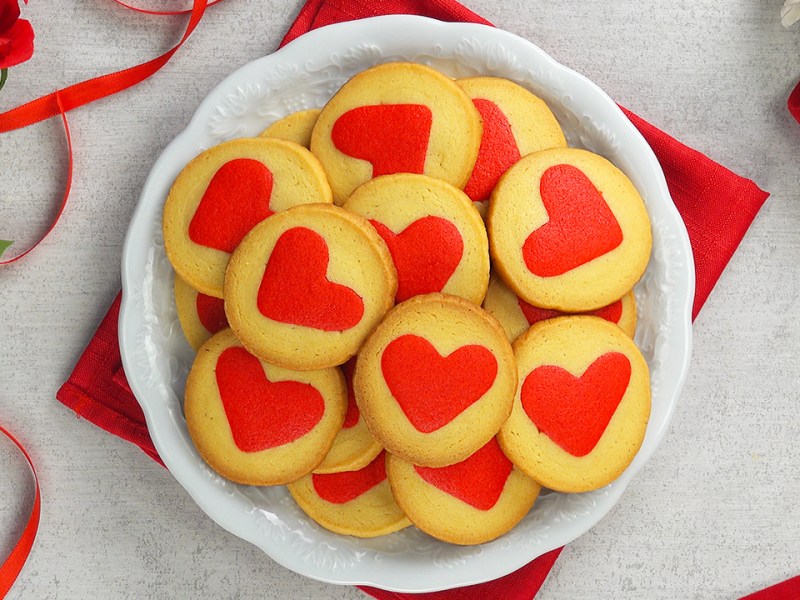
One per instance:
[(413, 306)]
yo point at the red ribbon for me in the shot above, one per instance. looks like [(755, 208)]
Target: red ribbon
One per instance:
[(59, 103), (9, 570), (62, 101)]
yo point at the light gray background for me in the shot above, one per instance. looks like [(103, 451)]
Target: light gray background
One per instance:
[(713, 515)]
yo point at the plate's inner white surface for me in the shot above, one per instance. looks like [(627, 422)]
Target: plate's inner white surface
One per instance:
[(267, 516)]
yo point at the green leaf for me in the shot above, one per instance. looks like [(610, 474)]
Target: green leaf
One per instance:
[(4, 244), (3, 77)]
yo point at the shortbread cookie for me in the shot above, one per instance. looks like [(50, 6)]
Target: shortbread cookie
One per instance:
[(200, 316), (296, 127), (436, 237), (305, 287), (516, 315), (568, 230), (515, 123), (354, 446), (435, 380), (358, 503), (256, 423), (582, 406), (471, 502), (224, 192), (396, 118)]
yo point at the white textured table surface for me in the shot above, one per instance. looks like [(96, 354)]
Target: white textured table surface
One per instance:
[(714, 514)]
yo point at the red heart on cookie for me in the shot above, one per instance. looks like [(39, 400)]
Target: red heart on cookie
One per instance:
[(497, 152), (534, 314), (392, 137), (478, 480), (353, 414), (575, 411), (211, 312), (432, 389), (425, 254), (343, 487), (581, 226), (236, 200), (295, 288), (264, 414)]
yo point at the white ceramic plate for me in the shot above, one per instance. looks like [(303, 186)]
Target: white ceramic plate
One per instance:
[(304, 75)]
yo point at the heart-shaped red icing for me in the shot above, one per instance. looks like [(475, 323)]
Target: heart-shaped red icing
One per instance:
[(295, 288), (236, 200), (343, 487), (393, 137), (580, 228), (263, 414), (574, 411), (432, 389), (497, 152), (534, 314), (479, 480), (353, 414), (425, 254), (211, 312)]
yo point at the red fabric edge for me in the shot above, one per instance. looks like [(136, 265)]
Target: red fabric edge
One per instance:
[(785, 590), (793, 103), (106, 418)]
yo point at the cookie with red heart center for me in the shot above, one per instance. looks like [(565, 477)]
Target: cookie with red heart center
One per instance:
[(436, 237), (354, 446), (296, 127), (470, 502), (568, 230), (515, 123), (358, 502), (582, 404), (305, 287), (435, 380), (257, 423), (226, 191), (516, 315), (200, 316), (396, 118)]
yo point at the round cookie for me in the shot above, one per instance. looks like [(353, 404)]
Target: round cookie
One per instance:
[(396, 118), (582, 405), (358, 503), (200, 316), (223, 193), (435, 380), (515, 123), (516, 315), (296, 127), (436, 237), (471, 502), (568, 230), (354, 446), (258, 424), (305, 287)]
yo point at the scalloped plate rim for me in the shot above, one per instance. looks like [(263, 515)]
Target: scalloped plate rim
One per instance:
[(180, 460)]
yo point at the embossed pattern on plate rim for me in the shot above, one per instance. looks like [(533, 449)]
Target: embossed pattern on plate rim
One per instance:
[(302, 75)]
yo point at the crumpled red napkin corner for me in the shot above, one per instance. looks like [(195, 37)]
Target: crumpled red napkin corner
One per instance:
[(716, 205)]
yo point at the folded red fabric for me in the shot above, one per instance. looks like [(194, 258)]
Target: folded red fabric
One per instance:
[(716, 204)]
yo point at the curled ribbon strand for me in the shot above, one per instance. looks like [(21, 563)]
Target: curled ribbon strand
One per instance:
[(62, 101), (10, 569), (59, 103)]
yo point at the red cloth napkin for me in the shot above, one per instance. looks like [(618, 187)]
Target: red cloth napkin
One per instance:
[(716, 205), (786, 590)]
